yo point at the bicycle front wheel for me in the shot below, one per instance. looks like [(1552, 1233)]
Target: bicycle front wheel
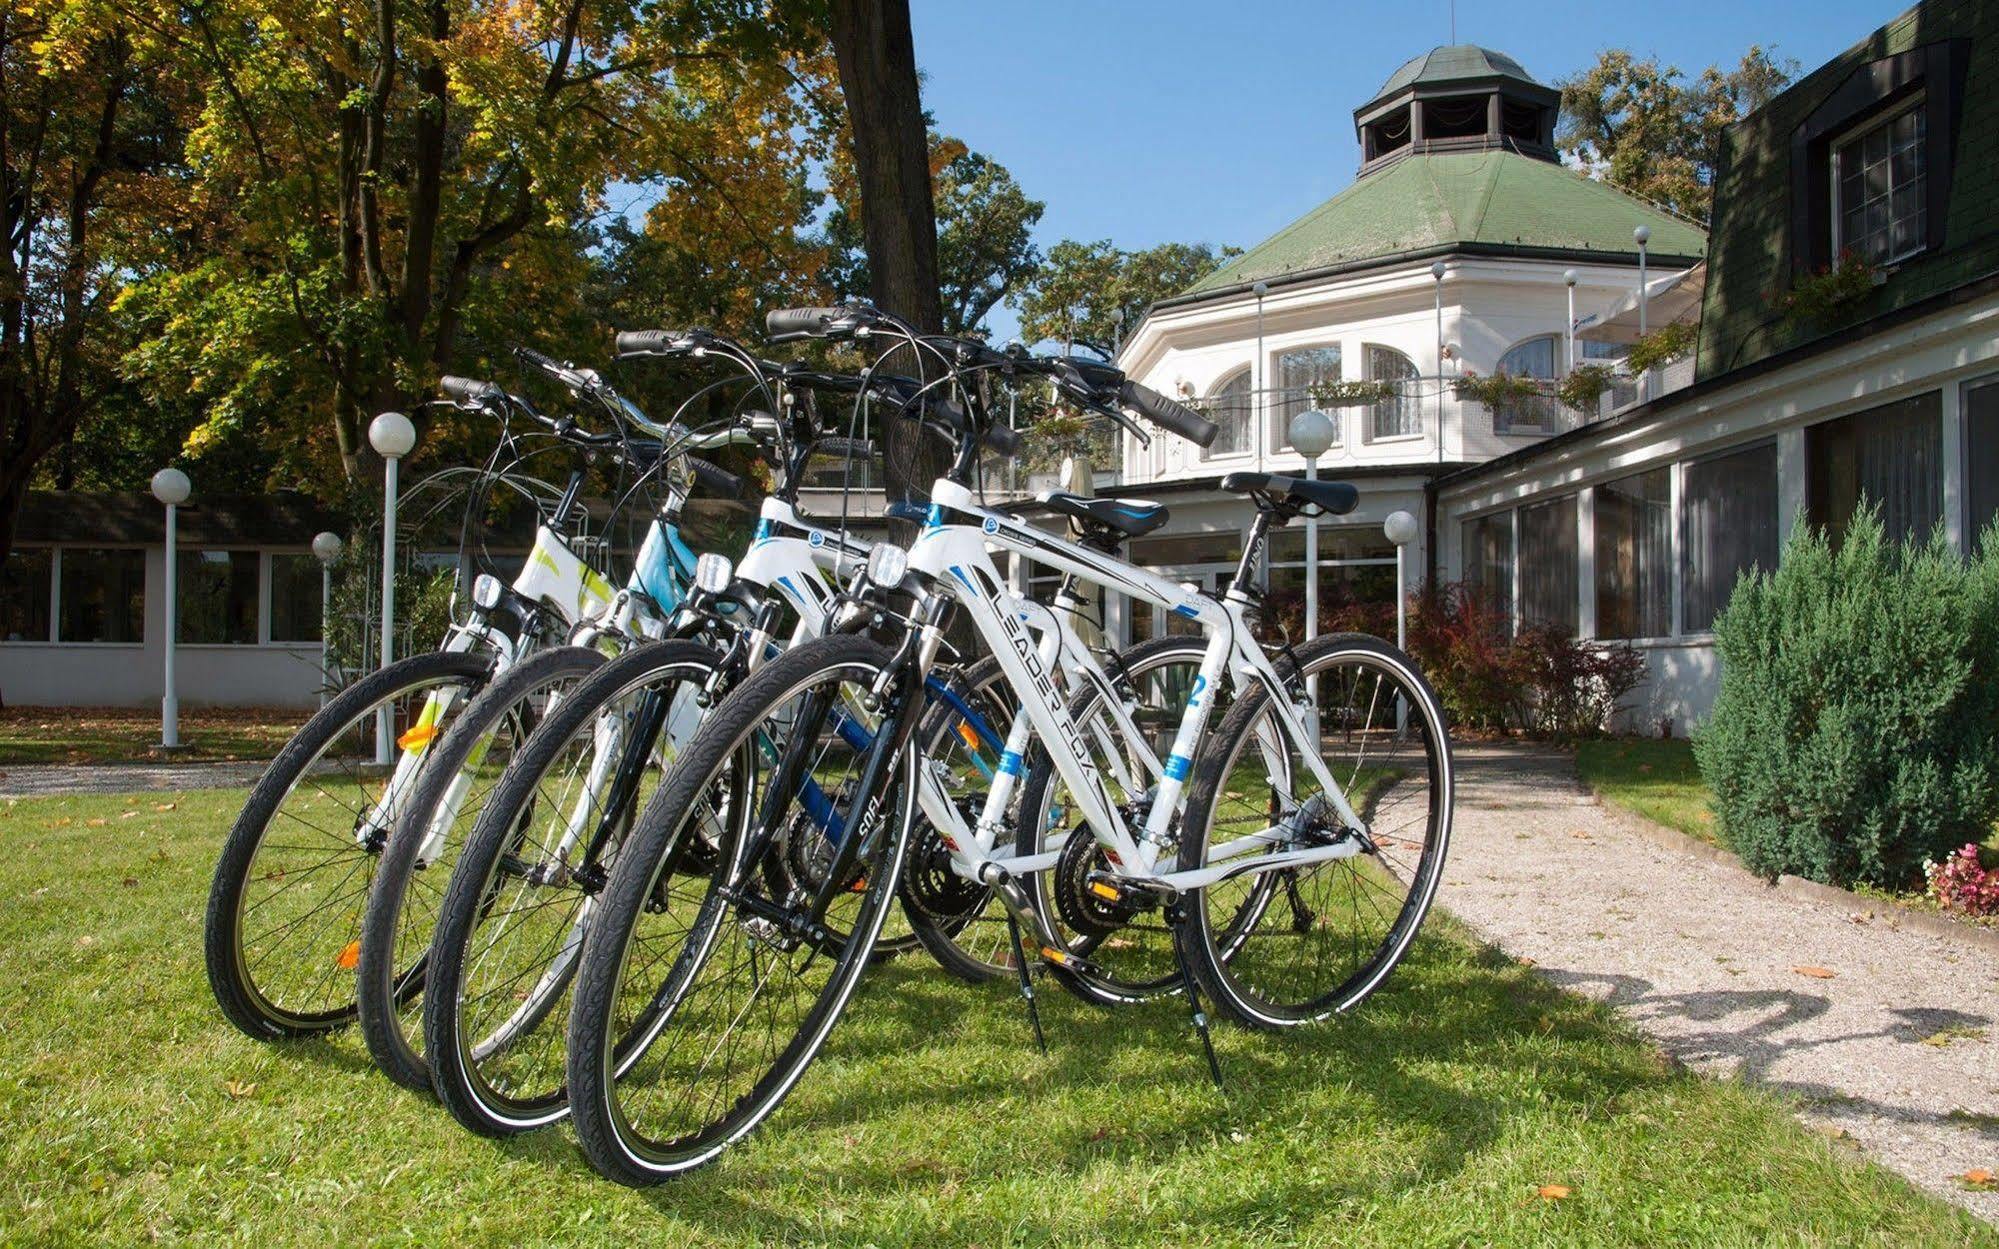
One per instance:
[(283, 933), (1335, 927), (698, 1009)]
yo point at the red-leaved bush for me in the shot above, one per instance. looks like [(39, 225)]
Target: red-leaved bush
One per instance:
[(1960, 883), (1540, 681)]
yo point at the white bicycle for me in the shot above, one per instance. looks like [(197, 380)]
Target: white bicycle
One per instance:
[(1291, 850)]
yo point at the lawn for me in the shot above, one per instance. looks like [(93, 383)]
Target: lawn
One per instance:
[(1655, 777), (31, 735), (1439, 1114)]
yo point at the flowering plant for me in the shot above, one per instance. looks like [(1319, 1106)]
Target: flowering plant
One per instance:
[(1961, 883)]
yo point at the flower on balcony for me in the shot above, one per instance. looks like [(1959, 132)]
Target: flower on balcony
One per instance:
[(1662, 346), (1583, 386), (1502, 392), (1352, 394), (1828, 291)]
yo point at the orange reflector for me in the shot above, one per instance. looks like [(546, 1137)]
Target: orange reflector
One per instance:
[(1055, 956), (349, 957), (969, 734), (1104, 890), (418, 737)]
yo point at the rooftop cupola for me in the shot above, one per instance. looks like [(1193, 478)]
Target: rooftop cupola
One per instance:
[(1457, 99)]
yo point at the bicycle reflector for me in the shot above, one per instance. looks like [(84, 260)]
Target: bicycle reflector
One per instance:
[(486, 591), (887, 563), (712, 573)]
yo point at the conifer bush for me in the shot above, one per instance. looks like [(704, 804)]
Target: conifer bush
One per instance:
[(1856, 730)]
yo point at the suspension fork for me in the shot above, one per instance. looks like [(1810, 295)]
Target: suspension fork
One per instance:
[(901, 685)]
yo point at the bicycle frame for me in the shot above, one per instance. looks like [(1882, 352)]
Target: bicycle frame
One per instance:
[(952, 552)]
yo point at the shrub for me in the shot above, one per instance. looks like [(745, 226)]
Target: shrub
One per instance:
[(1571, 687), (1852, 737), (1961, 883)]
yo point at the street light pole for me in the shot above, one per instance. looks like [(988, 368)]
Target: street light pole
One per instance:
[(1641, 236), (171, 487), (1400, 528), (1437, 275), (1569, 279), (1311, 434), (1259, 401), (392, 436), (326, 549)]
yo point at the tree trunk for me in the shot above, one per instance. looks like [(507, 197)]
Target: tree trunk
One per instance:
[(877, 62)]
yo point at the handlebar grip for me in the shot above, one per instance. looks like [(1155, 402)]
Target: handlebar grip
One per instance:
[(715, 479), (800, 320), (1002, 441), (644, 342), (547, 364), (467, 389), (1168, 414), (846, 448)]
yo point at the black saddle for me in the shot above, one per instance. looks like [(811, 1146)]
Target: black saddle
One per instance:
[(1105, 519), (1336, 498)]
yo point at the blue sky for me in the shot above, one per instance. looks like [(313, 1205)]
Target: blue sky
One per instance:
[(1221, 122)]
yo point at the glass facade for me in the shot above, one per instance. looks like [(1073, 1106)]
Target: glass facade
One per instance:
[(24, 595), (1728, 525), (1634, 556), (103, 595)]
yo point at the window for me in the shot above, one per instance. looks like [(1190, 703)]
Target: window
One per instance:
[(1534, 358), (1981, 457), (1488, 563), (295, 602), (1623, 387), (1634, 556), (1548, 570), (1356, 566), (1228, 406), (1299, 372), (1891, 456), (1878, 191), (1403, 414), (218, 597), (103, 595), (1728, 517), (24, 595)]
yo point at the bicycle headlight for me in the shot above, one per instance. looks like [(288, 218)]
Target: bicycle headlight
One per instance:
[(487, 591), (713, 572), (887, 563)]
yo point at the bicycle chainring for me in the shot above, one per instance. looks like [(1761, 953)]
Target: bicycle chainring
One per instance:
[(930, 888), (1083, 911)]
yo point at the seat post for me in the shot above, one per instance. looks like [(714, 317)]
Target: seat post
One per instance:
[(1246, 566)]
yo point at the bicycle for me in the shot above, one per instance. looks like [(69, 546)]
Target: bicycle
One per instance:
[(745, 947)]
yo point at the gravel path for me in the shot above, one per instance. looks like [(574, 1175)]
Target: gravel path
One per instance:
[(45, 780), (1896, 1051)]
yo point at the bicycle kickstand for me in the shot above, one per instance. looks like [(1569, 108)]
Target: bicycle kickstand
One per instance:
[(1174, 916), (1026, 980)]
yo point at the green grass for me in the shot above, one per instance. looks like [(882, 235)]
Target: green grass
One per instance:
[(1655, 777), (1432, 1116), (32, 735)]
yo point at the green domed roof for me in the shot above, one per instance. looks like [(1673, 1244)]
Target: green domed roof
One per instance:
[(1490, 202), (1458, 62)]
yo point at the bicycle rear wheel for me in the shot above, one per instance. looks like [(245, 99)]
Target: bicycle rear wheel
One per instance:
[(698, 1010), (1335, 928), (283, 929)]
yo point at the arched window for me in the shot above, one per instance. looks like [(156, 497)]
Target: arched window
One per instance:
[(1402, 413), (1228, 406), (1536, 358), (1300, 371)]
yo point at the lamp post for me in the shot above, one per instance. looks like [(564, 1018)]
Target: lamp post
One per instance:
[(171, 487), (1400, 528), (1311, 434), (326, 549), (1437, 276), (392, 436), (1569, 280), (1641, 236), (1257, 406)]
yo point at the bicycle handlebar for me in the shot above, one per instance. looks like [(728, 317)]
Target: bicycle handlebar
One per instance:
[(1168, 414)]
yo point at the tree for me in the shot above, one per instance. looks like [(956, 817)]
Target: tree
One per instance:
[(985, 235), (89, 137), (1084, 292), (1641, 126)]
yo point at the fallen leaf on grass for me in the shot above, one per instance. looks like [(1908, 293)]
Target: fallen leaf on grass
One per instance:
[(1816, 973), (1980, 1178), (1552, 1192), (97, 823), (165, 806), (238, 1088), (126, 815), (1524, 961), (131, 881)]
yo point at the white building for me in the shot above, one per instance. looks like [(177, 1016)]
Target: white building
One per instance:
[(1460, 178)]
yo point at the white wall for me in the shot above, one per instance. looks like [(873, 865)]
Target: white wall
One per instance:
[(111, 674)]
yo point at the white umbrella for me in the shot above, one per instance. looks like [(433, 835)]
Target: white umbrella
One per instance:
[(1670, 298)]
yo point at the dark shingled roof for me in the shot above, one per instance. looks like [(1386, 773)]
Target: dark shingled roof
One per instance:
[(1458, 62), (281, 518)]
